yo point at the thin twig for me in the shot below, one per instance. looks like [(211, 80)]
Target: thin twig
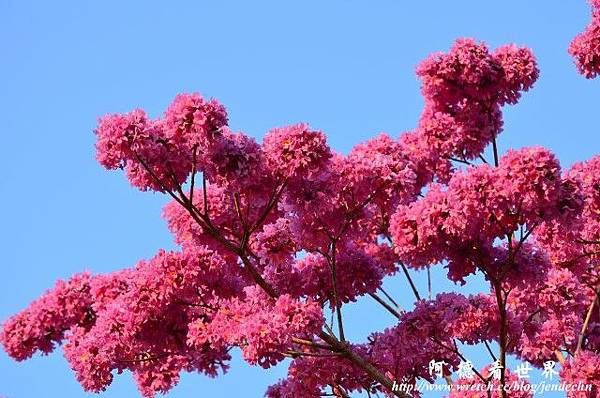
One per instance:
[(463, 161), (310, 343), (496, 163), (405, 270), (193, 178), (503, 335), (385, 305), (410, 281), (338, 305), (489, 349), (429, 281), (390, 298), (586, 323)]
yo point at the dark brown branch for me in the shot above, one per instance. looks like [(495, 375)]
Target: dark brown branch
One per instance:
[(385, 305), (410, 281), (295, 354), (429, 281), (586, 323), (489, 349), (463, 161), (503, 335), (273, 201), (310, 343), (193, 178), (496, 163), (338, 305), (391, 299)]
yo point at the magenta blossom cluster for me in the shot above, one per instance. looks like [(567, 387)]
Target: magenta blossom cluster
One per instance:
[(167, 148), (464, 91), (460, 222), (585, 47), (276, 238)]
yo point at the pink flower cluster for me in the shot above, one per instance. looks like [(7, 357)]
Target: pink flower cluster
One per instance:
[(429, 332), (357, 274), (583, 368), (296, 151), (574, 244), (585, 47), (272, 235), (44, 323), (309, 376), (262, 329), (554, 321), (142, 321), (460, 222), (464, 90), (382, 163), (159, 154)]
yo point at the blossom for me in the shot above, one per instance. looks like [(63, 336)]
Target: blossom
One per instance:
[(548, 305), (118, 136), (191, 121), (381, 167), (275, 243), (571, 241), (263, 330), (296, 151), (309, 377), (584, 368), (585, 47), (478, 206), (463, 92), (44, 323), (160, 154)]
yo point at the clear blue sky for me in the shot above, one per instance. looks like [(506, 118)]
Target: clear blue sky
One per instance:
[(346, 67)]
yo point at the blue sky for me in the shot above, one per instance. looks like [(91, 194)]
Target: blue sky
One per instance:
[(346, 67)]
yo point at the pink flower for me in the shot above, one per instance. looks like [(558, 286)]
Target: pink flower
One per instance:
[(585, 48), (263, 329), (296, 151), (584, 368), (44, 323)]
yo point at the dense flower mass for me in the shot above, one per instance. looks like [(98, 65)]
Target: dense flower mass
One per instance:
[(296, 151), (275, 238), (574, 245), (160, 154), (464, 90), (44, 323), (583, 368), (585, 48), (263, 330), (309, 376), (461, 221)]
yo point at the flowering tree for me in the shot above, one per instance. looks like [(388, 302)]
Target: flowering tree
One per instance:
[(275, 236)]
